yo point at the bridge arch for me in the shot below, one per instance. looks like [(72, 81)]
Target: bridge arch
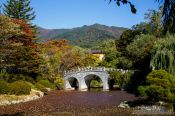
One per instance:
[(89, 78), (71, 82), (74, 83), (103, 76), (83, 76)]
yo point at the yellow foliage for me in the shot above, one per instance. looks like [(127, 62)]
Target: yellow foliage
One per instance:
[(8, 29)]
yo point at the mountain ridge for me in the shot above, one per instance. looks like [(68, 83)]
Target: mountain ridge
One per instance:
[(85, 36)]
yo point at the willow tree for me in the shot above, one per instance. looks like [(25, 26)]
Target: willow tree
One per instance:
[(163, 55)]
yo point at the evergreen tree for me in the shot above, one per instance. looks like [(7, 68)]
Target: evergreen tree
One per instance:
[(19, 9), (18, 52)]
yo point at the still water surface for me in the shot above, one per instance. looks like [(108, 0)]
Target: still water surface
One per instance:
[(82, 102)]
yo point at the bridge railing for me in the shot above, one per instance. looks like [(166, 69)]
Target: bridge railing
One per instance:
[(95, 69)]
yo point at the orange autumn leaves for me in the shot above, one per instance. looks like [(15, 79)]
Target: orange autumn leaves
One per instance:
[(60, 53), (27, 36)]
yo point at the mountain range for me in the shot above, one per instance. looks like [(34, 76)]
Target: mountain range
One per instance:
[(85, 36)]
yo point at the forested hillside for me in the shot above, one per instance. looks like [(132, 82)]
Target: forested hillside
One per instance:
[(86, 36)]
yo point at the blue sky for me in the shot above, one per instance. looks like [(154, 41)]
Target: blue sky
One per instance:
[(75, 13)]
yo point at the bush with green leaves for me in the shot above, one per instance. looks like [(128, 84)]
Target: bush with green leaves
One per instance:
[(124, 63), (117, 77), (44, 84), (95, 83), (15, 77), (142, 90), (161, 86), (4, 87), (3, 74), (59, 83), (39, 86), (19, 88), (121, 79)]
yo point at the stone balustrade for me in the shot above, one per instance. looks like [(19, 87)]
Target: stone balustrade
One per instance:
[(94, 69)]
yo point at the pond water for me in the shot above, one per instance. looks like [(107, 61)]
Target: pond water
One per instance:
[(95, 89), (72, 102)]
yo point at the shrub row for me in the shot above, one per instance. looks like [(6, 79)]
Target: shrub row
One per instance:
[(23, 87), (42, 84), (15, 88)]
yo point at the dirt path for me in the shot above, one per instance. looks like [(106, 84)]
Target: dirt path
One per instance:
[(72, 104)]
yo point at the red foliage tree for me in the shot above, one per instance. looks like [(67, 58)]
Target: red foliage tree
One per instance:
[(22, 59), (27, 36)]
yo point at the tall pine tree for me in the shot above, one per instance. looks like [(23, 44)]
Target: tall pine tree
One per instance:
[(24, 60), (19, 9)]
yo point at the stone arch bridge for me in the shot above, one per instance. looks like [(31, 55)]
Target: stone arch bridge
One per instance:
[(85, 75)]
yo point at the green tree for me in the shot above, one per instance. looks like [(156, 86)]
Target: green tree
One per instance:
[(153, 23), (71, 59), (121, 79), (90, 60), (111, 54), (154, 20), (18, 54), (52, 52), (8, 28), (19, 9), (125, 39), (108, 45), (141, 47), (163, 55), (138, 57), (160, 86)]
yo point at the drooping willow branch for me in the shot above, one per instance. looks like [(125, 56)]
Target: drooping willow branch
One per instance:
[(163, 55)]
